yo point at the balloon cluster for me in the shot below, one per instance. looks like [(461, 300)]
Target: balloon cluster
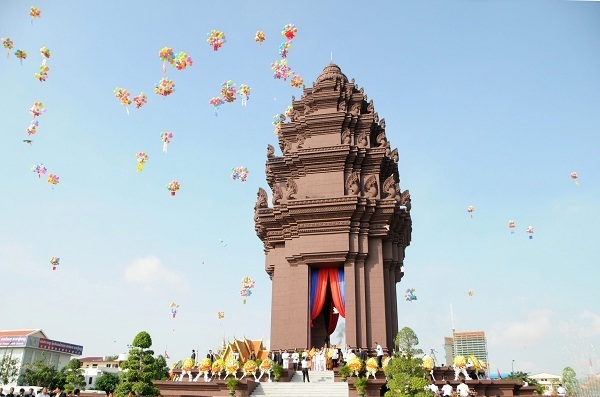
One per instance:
[(530, 232), (45, 52), (220, 315), (512, 225), (32, 129), (471, 292), (278, 119), (228, 91), (123, 96), (141, 158), (216, 39), (409, 295), (165, 87), (53, 179), (173, 187), (34, 12), (247, 285), (259, 37), (8, 44), (281, 70), (240, 173), (37, 109), (54, 261), (288, 112), (182, 61), (20, 54), (244, 92), (42, 75), (39, 169), (216, 101), (289, 31), (470, 210), (574, 176), (166, 55), (140, 100), (174, 308), (297, 81), (284, 48), (166, 139)]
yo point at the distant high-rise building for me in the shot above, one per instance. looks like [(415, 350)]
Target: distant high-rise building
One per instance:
[(466, 344)]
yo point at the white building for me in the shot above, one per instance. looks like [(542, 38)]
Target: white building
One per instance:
[(548, 381), (28, 345), (93, 367)]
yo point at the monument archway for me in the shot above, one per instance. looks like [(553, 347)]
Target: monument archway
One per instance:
[(338, 226)]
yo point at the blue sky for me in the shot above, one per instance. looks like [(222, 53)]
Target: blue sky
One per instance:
[(491, 104)]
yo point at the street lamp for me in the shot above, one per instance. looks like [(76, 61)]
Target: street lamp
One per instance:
[(512, 367)]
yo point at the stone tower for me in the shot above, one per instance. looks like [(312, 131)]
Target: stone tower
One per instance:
[(335, 236)]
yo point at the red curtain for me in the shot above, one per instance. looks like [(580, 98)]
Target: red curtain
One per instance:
[(320, 294), (336, 293), (333, 320)]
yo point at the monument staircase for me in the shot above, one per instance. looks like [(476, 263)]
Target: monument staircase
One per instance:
[(321, 384)]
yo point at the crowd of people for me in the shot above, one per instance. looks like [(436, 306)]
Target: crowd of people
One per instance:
[(43, 392)]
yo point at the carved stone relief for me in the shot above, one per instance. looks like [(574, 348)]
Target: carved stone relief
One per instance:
[(291, 189), (371, 190), (270, 151), (353, 184), (347, 137), (389, 187)]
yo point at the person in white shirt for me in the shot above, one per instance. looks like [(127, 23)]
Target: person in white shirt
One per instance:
[(561, 390), (305, 377), (295, 360), (379, 351), (285, 356), (433, 387), (447, 389), (350, 355), (462, 389)]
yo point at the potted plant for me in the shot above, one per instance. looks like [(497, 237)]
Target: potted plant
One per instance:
[(231, 385), (277, 371), (344, 372), (361, 385)]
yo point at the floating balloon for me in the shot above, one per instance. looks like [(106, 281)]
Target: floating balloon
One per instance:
[(259, 37), (55, 261), (247, 286), (281, 70), (35, 13), (228, 91), (574, 176), (223, 243), (216, 102), (216, 39), (37, 109), (124, 97), (42, 75), (409, 295), (244, 92), (511, 225), (284, 48), (174, 309), (278, 119), (20, 54), (182, 61), (530, 232), (8, 44), (220, 315), (289, 31), (470, 210), (39, 169), (166, 139), (45, 52), (32, 129), (288, 112), (297, 81), (165, 87), (173, 187), (141, 158), (240, 173), (166, 55), (53, 179), (140, 100), (471, 292)]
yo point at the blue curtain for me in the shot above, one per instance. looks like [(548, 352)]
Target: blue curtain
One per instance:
[(314, 279), (342, 284)]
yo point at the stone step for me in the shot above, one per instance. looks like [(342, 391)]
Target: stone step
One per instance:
[(321, 384)]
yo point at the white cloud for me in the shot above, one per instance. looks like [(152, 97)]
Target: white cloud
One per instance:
[(534, 328), (150, 272)]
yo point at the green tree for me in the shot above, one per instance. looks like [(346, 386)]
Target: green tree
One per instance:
[(41, 373), (570, 382), (162, 369), (140, 369), (407, 377), (107, 382), (524, 376), (73, 378), (9, 369)]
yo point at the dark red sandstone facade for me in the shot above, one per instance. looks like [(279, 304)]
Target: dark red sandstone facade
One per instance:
[(336, 203)]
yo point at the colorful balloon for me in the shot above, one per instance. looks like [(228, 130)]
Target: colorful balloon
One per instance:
[(512, 225), (55, 261), (174, 309), (166, 55), (42, 75), (173, 187), (165, 87), (166, 139), (284, 48), (574, 176), (20, 54), (141, 158), (140, 100), (182, 61), (53, 179), (288, 112), (297, 81), (35, 13), (244, 92), (259, 37), (45, 52), (228, 91), (278, 119), (220, 315), (470, 210), (216, 39), (409, 295), (8, 44), (247, 286), (281, 70), (37, 109), (32, 129), (471, 292), (289, 31), (39, 169), (216, 102), (530, 232), (240, 173), (124, 97)]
